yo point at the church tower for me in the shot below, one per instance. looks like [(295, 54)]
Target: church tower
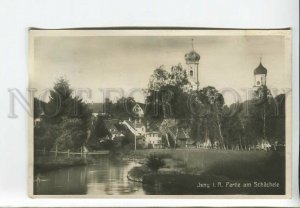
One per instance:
[(192, 61), (260, 76)]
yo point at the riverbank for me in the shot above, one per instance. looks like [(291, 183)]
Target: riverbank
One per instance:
[(48, 161), (209, 171), (42, 164)]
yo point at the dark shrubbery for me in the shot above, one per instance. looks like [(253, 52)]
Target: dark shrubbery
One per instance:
[(155, 162)]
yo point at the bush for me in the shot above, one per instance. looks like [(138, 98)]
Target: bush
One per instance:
[(155, 162)]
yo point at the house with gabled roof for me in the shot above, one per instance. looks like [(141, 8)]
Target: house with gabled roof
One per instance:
[(137, 128), (138, 111), (175, 135), (183, 139), (153, 137)]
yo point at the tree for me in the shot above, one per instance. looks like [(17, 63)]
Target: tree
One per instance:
[(72, 136), (66, 120), (263, 97), (122, 109), (100, 130), (60, 102), (155, 162), (232, 128), (45, 136), (212, 102), (166, 94), (261, 118), (158, 79), (178, 76)]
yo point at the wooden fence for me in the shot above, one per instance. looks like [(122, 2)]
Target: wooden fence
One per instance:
[(68, 153)]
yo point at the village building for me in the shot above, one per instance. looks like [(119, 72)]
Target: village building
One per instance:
[(179, 137), (183, 139), (153, 137), (138, 111), (112, 127), (136, 127), (153, 140), (168, 133)]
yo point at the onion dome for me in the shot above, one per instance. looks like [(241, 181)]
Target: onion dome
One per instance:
[(260, 69), (192, 57)]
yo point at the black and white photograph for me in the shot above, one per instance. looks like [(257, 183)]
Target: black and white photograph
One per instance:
[(146, 113)]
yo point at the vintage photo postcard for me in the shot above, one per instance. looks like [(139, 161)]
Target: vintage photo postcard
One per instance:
[(160, 113)]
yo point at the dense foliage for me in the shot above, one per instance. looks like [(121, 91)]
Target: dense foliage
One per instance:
[(65, 120), (155, 162)]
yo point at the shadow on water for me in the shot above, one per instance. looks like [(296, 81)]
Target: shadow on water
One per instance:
[(108, 176), (244, 177), (105, 177)]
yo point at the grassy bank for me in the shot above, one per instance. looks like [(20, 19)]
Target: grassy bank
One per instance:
[(185, 169)]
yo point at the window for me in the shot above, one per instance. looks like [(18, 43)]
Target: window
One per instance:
[(258, 83), (191, 73)]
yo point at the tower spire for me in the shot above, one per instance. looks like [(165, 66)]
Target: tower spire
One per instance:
[(260, 58)]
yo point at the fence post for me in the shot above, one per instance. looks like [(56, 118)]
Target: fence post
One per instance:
[(55, 152), (84, 155), (68, 153), (81, 152), (44, 151)]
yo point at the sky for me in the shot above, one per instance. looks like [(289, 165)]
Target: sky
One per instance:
[(126, 62)]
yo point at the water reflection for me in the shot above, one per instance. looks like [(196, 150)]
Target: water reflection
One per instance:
[(107, 177)]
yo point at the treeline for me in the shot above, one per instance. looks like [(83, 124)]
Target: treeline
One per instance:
[(205, 116), (64, 121)]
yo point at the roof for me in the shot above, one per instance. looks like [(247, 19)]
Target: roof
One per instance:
[(191, 57), (135, 125), (173, 131), (137, 110), (260, 69), (178, 133)]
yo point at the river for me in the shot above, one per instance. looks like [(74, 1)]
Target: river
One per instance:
[(107, 177)]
